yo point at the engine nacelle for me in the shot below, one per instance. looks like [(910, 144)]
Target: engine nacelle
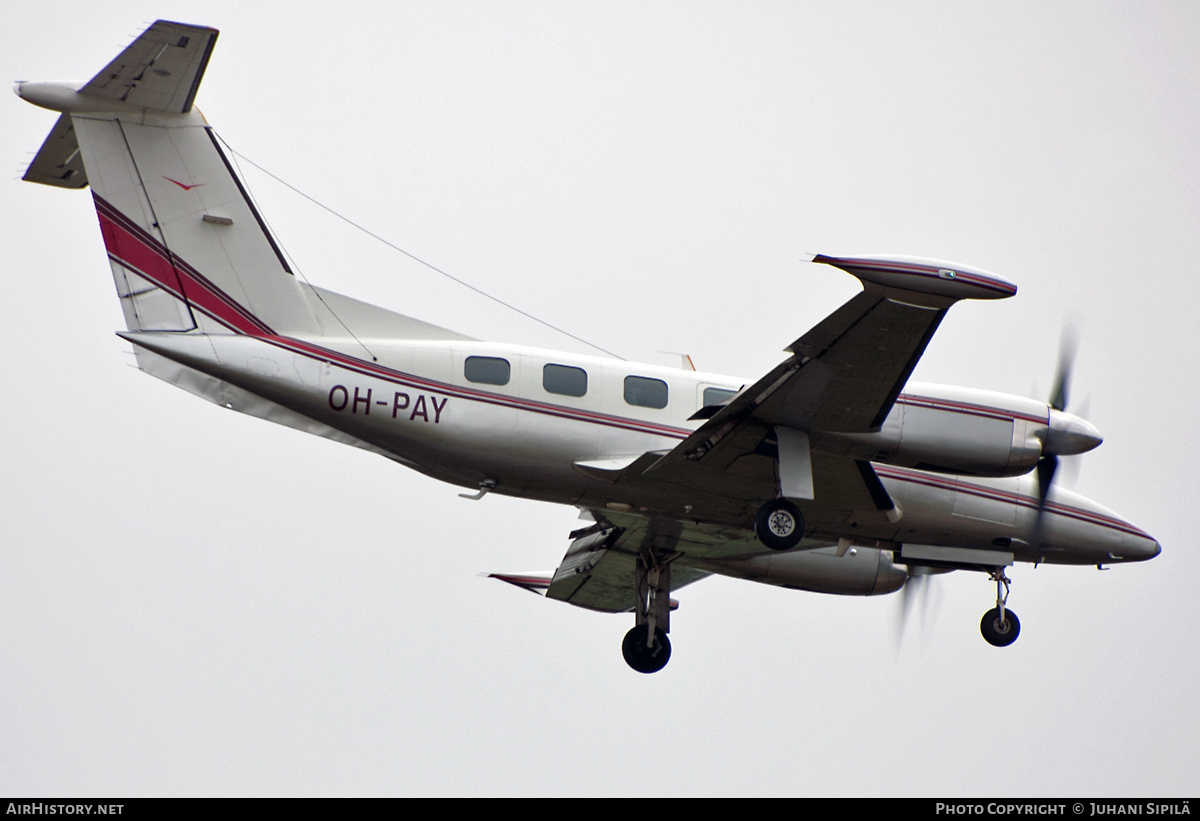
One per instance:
[(965, 431), (862, 571)]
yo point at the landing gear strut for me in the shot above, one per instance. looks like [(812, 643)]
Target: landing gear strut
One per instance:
[(646, 647), (1000, 626)]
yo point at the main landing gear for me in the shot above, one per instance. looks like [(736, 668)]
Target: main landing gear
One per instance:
[(646, 647), (779, 524), (643, 655), (1000, 626)]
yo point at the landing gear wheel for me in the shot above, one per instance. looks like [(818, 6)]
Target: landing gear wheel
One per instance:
[(779, 525), (642, 658), (1000, 632)]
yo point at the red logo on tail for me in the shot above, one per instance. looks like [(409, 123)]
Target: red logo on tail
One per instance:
[(181, 185)]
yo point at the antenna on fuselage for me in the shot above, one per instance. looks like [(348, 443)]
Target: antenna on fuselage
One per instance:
[(686, 362)]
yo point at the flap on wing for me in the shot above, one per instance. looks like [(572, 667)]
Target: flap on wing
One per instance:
[(160, 70), (58, 161), (593, 577), (610, 470), (599, 571)]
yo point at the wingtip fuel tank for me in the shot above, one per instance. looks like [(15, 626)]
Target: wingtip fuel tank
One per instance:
[(925, 276)]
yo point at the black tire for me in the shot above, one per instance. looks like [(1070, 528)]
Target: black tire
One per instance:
[(1000, 633), (642, 658), (779, 525)]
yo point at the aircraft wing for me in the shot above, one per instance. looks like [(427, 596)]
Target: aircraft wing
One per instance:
[(599, 569), (843, 375)]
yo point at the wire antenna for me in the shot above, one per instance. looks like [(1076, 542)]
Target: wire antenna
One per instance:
[(416, 258)]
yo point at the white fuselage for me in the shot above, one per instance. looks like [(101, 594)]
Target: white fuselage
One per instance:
[(416, 402)]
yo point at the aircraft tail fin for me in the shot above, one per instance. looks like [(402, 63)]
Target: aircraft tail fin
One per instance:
[(188, 248)]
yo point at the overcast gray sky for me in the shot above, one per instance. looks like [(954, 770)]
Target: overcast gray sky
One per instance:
[(196, 602)]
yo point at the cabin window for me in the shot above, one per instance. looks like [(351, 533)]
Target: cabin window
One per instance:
[(717, 396), (565, 380), (645, 392), (489, 370)]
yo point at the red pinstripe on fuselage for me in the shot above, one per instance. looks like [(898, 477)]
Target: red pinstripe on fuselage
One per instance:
[(132, 247)]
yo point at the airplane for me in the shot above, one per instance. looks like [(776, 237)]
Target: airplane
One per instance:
[(832, 473)]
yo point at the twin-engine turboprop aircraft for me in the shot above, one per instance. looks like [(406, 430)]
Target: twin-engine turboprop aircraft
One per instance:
[(829, 474)]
